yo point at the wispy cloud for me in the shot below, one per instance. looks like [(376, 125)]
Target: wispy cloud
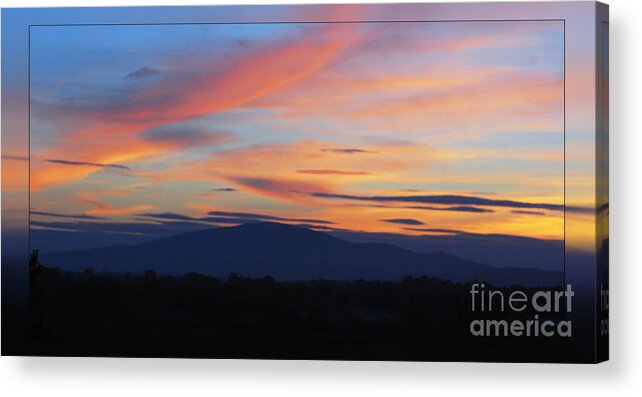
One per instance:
[(175, 97), (137, 228), (90, 164), (186, 136), (67, 216), (142, 73), (231, 217), (100, 207), (522, 212), (267, 217), (286, 189), (347, 150), (445, 200), (458, 208), (332, 172), (166, 215), (268, 170), (17, 158), (185, 92), (435, 230), (403, 221)]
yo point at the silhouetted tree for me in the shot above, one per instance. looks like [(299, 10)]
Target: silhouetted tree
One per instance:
[(197, 307), (233, 276), (34, 266), (150, 275)]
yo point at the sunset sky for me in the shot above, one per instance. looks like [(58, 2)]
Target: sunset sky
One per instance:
[(413, 128)]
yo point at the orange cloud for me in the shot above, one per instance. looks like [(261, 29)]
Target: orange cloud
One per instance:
[(514, 103), (332, 172), (103, 209), (126, 150), (318, 159), (189, 93), (285, 171), (106, 211), (288, 189), (112, 136), (15, 173), (335, 94)]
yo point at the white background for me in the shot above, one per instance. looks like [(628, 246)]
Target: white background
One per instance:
[(621, 376)]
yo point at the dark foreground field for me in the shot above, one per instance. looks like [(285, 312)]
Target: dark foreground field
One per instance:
[(88, 306)]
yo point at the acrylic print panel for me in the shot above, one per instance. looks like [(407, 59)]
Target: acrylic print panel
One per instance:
[(309, 182)]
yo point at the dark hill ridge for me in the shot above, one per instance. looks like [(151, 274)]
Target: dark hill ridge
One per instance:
[(286, 252)]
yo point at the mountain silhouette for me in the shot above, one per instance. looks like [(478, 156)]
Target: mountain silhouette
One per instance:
[(286, 252)]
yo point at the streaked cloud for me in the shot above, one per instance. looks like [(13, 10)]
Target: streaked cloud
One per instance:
[(445, 200), (332, 172), (166, 215), (347, 150), (234, 218), (267, 217), (458, 208), (185, 94), (522, 212), (403, 221), (14, 157), (186, 136), (67, 216), (142, 73), (286, 189), (436, 230), (99, 207), (89, 164)]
